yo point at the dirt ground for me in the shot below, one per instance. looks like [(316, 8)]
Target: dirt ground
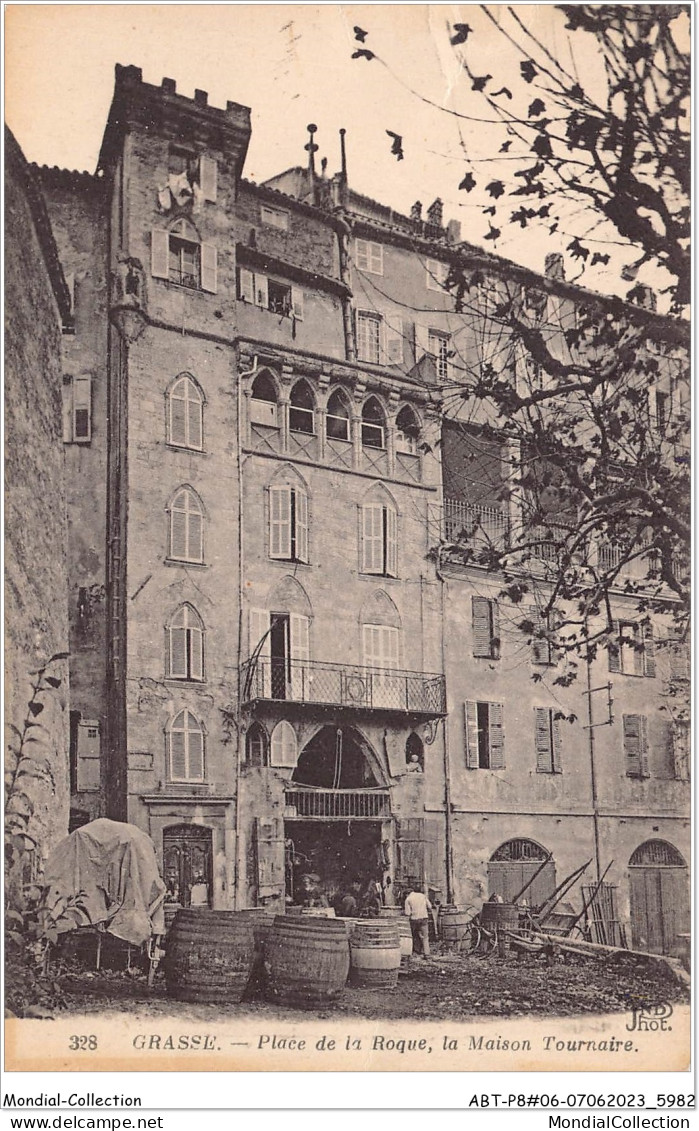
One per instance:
[(442, 987)]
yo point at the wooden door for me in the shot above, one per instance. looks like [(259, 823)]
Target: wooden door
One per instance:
[(507, 878), (187, 860), (659, 908)]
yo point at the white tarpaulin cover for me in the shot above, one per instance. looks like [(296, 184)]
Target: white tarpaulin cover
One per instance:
[(110, 869)]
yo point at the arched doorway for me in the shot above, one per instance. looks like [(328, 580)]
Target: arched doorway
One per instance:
[(338, 820), (659, 897), (187, 859), (514, 864)]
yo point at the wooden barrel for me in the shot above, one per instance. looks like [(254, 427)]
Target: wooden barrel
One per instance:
[(376, 954), (306, 959), (453, 925), (209, 954), (504, 916), (405, 938), (313, 912)]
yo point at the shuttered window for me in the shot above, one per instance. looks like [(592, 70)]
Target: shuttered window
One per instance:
[(636, 745), (186, 527), (177, 256), (288, 523), (208, 177), (547, 740), (186, 748), (185, 659), (283, 747), (486, 627), (484, 736), (369, 337), (631, 650), (370, 257), (379, 540), (543, 650), (185, 412)]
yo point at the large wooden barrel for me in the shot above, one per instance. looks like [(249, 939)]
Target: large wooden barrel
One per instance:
[(376, 954), (306, 959), (209, 954), (312, 912), (503, 916), (453, 925)]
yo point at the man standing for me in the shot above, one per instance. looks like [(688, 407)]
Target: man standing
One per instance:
[(417, 908)]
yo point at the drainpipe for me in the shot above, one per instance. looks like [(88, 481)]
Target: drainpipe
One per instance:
[(448, 829), (593, 774), (237, 863)]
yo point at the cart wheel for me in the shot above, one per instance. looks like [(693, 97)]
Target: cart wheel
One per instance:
[(471, 940)]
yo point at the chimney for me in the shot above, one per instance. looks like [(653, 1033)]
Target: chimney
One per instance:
[(454, 231), (553, 266), (311, 149), (416, 212), (343, 186), (434, 213)]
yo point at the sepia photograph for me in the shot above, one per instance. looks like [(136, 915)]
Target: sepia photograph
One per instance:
[(347, 538)]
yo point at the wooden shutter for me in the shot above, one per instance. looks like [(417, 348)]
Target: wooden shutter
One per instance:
[(178, 766), (196, 649), (422, 342), (246, 285), (178, 529), (481, 618), (301, 525), (261, 292), (375, 257), (82, 409), (194, 417), (280, 522), (643, 751), (648, 651), (557, 743), (178, 421), (259, 625), (372, 538), (494, 630), (634, 739), (269, 853), (614, 648), (208, 177), (371, 644), (297, 303), (542, 740), (393, 341), (679, 737), (178, 652), (283, 748), (195, 743), (208, 268), (391, 541), (541, 650), (471, 734), (299, 654), (195, 531), (496, 736), (390, 647), (160, 254), (362, 255), (410, 844)]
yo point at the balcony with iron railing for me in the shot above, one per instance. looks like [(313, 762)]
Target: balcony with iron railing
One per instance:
[(313, 683), (311, 802), (478, 526)]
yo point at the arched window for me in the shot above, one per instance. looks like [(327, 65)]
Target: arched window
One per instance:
[(373, 425), (407, 431), (379, 548), (337, 420), (414, 753), (263, 404), (185, 740), (185, 414), (255, 745), (185, 637), (186, 527), (301, 409), (283, 745), (263, 387)]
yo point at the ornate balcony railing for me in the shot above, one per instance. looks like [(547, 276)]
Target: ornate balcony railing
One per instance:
[(343, 685), (307, 801), (476, 525)]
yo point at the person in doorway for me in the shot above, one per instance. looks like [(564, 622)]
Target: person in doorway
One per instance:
[(311, 894), (199, 894), (348, 905), (418, 908), (371, 900)]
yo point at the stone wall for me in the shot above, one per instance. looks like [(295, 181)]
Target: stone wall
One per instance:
[(36, 616)]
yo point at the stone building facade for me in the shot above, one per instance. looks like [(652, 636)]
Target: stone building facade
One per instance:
[(276, 639), (37, 313)]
